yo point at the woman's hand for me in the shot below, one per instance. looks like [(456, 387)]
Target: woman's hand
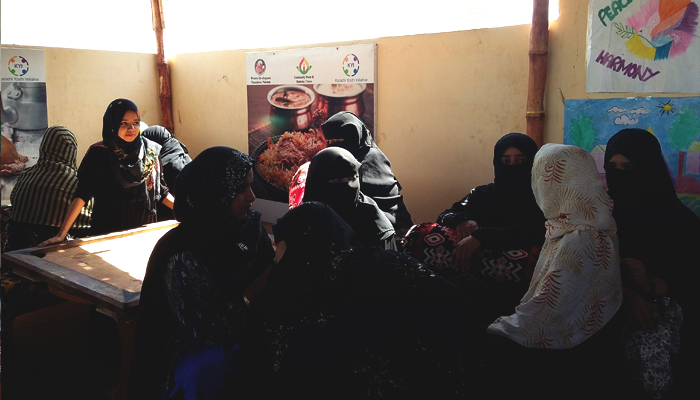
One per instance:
[(53, 240), (635, 273), (465, 228), (464, 251), (637, 310)]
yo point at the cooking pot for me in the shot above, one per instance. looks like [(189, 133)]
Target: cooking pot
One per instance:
[(334, 98), (290, 107), (28, 100)]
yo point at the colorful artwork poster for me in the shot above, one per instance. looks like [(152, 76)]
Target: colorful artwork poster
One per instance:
[(24, 112), (290, 94), (643, 46), (589, 124)]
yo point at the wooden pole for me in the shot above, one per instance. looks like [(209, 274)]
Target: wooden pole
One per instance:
[(163, 70), (539, 46)]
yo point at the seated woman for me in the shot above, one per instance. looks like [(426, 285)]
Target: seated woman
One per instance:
[(487, 243), (122, 173), (193, 329), (173, 155), (576, 288), (334, 179), (347, 321), (43, 193), (658, 238), (347, 131)]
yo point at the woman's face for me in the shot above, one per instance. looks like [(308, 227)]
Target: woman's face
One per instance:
[(513, 156), (620, 162), (130, 126), (243, 201)]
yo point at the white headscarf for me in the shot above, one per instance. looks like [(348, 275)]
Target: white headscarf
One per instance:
[(575, 288)]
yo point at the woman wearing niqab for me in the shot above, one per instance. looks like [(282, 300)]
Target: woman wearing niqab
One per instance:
[(334, 178), (659, 236), (488, 242), (193, 330), (349, 321), (347, 131)]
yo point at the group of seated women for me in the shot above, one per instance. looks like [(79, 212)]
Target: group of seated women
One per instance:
[(543, 282)]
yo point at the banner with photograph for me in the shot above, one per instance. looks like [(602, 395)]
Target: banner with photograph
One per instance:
[(643, 46), (24, 112), (290, 94), (675, 122)]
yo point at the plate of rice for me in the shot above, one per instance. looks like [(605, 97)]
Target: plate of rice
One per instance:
[(279, 158)]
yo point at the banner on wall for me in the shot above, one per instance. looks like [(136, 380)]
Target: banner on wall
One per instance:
[(290, 94), (24, 112), (675, 122), (643, 46)]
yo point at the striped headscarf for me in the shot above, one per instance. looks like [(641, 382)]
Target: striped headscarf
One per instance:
[(44, 191)]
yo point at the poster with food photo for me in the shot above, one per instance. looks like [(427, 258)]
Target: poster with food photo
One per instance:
[(24, 113), (291, 93)]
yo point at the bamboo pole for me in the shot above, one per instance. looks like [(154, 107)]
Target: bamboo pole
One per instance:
[(163, 70), (539, 45)]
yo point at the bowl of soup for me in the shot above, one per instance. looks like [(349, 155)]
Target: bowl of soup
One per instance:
[(290, 107), (334, 98)]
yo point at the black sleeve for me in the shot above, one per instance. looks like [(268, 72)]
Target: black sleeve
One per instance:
[(90, 173), (464, 210)]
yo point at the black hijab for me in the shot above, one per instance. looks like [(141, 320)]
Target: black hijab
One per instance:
[(653, 225), (235, 253), (349, 321), (514, 180), (644, 196), (347, 131), (649, 181), (173, 154), (314, 234), (133, 161), (345, 198)]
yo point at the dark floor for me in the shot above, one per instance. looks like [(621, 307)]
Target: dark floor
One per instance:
[(55, 349)]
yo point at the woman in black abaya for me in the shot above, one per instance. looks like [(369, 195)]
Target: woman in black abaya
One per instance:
[(488, 242), (347, 131), (334, 178), (348, 321), (193, 331), (658, 240)]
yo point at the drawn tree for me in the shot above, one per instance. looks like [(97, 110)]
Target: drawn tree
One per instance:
[(583, 131), (685, 129)]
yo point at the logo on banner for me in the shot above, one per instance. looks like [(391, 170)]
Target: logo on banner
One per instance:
[(351, 65), (260, 66), (304, 66), (18, 66)]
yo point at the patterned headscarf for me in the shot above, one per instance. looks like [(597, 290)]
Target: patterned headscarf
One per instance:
[(134, 161), (44, 191), (576, 288), (206, 187)]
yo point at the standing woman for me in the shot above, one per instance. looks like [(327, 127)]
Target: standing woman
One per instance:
[(658, 236), (193, 332), (43, 193), (347, 131), (123, 174)]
